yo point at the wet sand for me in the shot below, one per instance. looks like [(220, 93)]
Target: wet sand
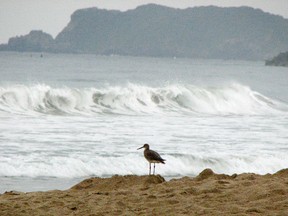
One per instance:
[(206, 194)]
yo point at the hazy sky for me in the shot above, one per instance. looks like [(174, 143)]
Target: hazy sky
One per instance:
[(19, 17)]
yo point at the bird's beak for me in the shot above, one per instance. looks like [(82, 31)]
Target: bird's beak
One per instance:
[(140, 147)]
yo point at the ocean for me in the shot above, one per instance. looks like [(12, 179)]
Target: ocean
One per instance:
[(65, 118)]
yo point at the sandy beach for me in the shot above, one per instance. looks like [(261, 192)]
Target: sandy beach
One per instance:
[(206, 194)]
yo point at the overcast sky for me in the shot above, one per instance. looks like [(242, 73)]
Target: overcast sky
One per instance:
[(19, 17)]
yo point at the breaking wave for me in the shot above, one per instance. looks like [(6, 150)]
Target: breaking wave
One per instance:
[(136, 99), (176, 165)]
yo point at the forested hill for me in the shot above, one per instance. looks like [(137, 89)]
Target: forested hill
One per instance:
[(153, 30)]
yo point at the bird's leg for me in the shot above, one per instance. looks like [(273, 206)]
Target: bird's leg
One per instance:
[(154, 169), (149, 168)]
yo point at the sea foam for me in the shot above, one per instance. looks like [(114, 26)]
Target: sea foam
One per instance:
[(180, 165), (136, 99)]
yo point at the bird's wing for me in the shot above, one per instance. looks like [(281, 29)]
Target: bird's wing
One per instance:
[(154, 156)]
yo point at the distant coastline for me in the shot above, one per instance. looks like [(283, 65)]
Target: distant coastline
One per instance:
[(238, 33)]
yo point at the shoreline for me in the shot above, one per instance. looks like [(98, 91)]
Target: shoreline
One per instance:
[(45, 184), (206, 194)]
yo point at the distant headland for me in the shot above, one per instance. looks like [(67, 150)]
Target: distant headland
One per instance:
[(152, 30), (279, 60)]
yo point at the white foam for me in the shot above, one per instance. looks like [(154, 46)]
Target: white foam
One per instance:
[(180, 165), (136, 99)]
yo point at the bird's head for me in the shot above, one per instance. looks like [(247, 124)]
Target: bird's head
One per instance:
[(146, 146)]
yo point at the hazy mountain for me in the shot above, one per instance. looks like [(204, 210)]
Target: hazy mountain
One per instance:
[(35, 41), (153, 30)]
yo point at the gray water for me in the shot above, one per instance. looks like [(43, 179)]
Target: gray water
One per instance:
[(64, 118)]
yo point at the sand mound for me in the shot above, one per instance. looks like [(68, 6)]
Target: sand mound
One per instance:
[(118, 182), (207, 194)]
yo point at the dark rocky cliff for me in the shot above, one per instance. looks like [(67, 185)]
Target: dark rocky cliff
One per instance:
[(279, 60)]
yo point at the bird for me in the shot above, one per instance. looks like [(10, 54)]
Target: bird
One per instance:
[(152, 157)]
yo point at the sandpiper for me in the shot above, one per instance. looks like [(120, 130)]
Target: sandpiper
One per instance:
[(152, 157)]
